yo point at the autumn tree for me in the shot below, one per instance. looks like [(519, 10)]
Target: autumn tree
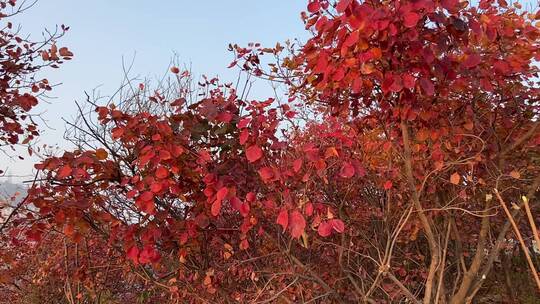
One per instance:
[(449, 90), (20, 61)]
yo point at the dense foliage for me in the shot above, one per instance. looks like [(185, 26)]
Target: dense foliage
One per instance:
[(409, 130)]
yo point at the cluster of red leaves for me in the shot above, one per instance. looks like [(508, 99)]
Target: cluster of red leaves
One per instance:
[(422, 109), (19, 63)]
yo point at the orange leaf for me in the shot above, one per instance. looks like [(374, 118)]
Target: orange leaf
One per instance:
[(331, 152), (367, 68), (101, 154), (455, 178), (515, 174)]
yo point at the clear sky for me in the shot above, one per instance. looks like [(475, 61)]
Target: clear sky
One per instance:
[(105, 31)]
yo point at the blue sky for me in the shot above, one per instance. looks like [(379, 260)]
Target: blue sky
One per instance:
[(103, 32)]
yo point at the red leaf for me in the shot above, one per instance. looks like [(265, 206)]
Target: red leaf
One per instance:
[(244, 135), (283, 219), (392, 82), (244, 244), (347, 170), (309, 209), (297, 165), (253, 153), (164, 155), (337, 225), (117, 132), (145, 202), (427, 86), (408, 81), (216, 207), (236, 203), (314, 6), (486, 85), (133, 254), (244, 209), (148, 207), (515, 174), (162, 172), (222, 193), (146, 196), (297, 224), (156, 187), (472, 60), (225, 117), (243, 123), (410, 19), (149, 255), (352, 39), (388, 185), (266, 174), (145, 158), (204, 157), (322, 63), (250, 197), (34, 235), (450, 5), (342, 5), (325, 229), (64, 172), (331, 152)]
